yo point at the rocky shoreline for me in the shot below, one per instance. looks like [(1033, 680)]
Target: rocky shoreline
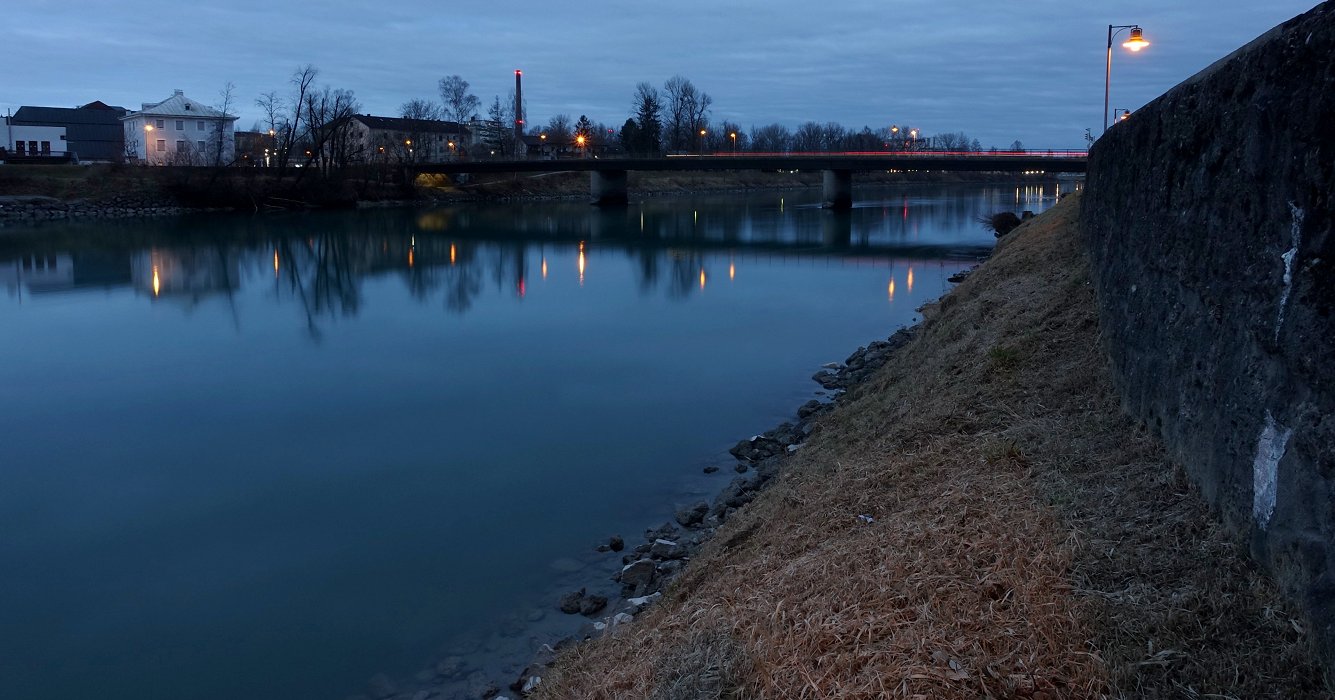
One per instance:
[(34, 209), (660, 555)]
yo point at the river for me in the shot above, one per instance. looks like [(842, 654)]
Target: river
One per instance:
[(281, 456)]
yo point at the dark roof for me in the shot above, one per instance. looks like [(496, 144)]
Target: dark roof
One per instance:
[(60, 116), (411, 125), (99, 104)]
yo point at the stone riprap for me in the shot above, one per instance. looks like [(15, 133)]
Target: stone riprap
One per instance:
[(1208, 219), (26, 209)]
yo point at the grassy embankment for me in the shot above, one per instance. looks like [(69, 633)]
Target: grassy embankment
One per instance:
[(1028, 539)]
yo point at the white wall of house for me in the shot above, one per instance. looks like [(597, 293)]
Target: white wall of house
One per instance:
[(34, 139), (177, 140), (179, 131)]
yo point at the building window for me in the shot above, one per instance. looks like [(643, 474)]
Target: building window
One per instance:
[(180, 125), (32, 148), (162, 146), (201, 146), (161, 124), (180, 146), (199, 125), (46, 148), (21, 147)]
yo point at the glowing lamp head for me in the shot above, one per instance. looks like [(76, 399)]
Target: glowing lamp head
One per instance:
[(1137, 40)]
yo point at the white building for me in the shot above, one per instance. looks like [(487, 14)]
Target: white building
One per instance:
[(23, 140), (179, 131)]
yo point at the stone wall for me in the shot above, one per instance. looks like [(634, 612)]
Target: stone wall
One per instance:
[(1208, 218)]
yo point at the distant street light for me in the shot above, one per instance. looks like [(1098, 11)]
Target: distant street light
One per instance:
[(733, 136), (1135, 42), (148, 133), (702, 141), (579, 141)]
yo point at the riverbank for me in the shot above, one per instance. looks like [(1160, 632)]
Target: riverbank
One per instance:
[(30, 193), (978, 518)]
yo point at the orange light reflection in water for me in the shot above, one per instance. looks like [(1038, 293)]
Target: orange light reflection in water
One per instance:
[(702, 278), (544, 267), (910, 279), (732, 271), (891, 289), (157, 284), (452, 254)]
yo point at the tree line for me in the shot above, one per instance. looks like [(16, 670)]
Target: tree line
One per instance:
[(314, 122)]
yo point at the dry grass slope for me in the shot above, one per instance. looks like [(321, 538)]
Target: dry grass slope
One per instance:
[(1028, 540)]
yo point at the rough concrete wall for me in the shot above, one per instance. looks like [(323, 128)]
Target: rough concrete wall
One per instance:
[(1208, 217)]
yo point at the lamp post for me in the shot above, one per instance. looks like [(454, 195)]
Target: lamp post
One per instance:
[(733, 136), (894, 136), (273, 146), (702, 141), (148, 133), (1135, 42)]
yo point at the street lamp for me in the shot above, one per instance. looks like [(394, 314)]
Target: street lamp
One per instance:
[(148, 133), (702, 141), (733, 136), (579, 141), (1135, 42)]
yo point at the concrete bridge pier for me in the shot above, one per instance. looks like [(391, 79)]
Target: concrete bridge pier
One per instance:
[(838, 189), (608, 187)]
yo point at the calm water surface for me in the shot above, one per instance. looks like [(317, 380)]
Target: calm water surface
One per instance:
[(275, 457)]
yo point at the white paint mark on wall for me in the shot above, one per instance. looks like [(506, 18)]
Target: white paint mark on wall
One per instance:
[(1297, 237), (1270, 449)]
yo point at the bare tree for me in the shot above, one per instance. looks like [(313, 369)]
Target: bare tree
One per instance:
[(302, 79), (328, 127), (774, 138), (808, 138), (420, 110), (687, 110), (500, 115), (275, 121), (460, 105), (226, 97), (418, 115), (559, 130)]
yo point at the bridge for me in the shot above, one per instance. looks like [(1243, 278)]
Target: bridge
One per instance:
[(607, 176)]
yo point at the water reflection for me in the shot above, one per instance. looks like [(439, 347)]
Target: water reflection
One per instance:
[(321, 261)]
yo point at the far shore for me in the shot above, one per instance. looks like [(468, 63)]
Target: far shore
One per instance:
[(45, 192)]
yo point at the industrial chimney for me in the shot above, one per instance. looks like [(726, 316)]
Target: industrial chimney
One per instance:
[(519, 114)]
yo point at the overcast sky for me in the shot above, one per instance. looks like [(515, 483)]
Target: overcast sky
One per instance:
[(998, 70)]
